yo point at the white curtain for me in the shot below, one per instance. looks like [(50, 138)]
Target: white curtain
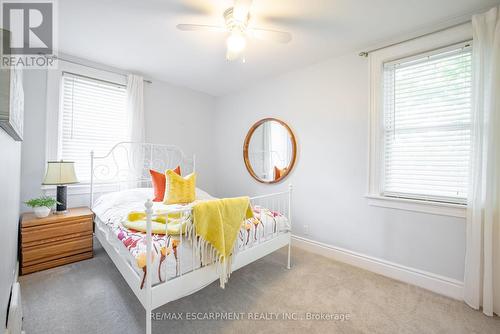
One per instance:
[(136, 129), (482, 260), (135, 108)]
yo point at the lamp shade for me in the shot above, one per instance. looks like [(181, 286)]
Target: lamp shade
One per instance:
[(60, 172)]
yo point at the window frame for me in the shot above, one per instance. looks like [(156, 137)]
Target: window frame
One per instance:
[(406, 50), (53, 105)]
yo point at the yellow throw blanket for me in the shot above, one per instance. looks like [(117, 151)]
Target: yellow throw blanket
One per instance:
[(159, 216), (173, 228), (136, 220), (217, 223)]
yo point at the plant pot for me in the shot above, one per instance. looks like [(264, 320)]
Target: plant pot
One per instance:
[(41, 211)]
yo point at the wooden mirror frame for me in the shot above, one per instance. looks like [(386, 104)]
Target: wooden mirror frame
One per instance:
[(247, 143)]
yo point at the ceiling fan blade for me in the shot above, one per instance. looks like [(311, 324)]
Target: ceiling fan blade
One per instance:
[(200, 27), (270, 35), (241, 9)]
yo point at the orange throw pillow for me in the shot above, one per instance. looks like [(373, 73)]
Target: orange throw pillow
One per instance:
[(159, 182)]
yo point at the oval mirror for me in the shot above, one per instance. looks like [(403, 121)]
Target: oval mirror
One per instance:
[(269, 150)]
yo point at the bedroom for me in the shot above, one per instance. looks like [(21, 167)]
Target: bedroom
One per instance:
[(362, 134)]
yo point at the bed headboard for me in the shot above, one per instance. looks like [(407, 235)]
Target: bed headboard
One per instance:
[(127, 165)]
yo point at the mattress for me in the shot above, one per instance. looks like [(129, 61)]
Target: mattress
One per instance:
[(172, 255)]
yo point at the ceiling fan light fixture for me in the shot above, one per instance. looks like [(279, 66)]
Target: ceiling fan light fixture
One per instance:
[(236, 42), (233, 22), (236, 26)]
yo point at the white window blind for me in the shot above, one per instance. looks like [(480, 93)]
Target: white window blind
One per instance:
[(93, 118), (427, 119)]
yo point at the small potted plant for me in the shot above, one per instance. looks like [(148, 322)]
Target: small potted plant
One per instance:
[(41, 205)]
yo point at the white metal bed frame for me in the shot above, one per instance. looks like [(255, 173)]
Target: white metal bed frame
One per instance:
[(127, 164)]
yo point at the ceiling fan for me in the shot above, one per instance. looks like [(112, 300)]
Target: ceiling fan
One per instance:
[(236, 24)]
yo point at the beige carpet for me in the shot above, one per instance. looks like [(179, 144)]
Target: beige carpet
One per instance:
[(92, 297)]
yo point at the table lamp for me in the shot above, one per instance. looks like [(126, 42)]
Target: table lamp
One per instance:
[(60, 173)]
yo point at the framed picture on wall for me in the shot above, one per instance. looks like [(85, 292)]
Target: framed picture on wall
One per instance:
[(11, 97)]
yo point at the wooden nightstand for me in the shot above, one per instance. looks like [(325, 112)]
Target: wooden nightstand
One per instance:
[(55, 240)]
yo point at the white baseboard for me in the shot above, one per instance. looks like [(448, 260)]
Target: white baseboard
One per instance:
[(439, 284)]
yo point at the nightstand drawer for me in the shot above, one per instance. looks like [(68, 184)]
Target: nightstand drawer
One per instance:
[(46, 233), (54, 263), (55, 250)]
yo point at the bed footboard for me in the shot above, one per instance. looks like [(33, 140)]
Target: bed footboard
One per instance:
[(275, 205)]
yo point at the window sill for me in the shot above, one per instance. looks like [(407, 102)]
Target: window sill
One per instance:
[(435, 208)]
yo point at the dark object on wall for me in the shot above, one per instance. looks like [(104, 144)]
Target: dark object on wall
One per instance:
[(11, 97)]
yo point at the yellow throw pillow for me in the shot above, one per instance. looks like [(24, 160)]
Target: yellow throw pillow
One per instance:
[(180, 189)]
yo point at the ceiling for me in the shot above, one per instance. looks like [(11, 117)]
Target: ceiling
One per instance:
[(140, 35)]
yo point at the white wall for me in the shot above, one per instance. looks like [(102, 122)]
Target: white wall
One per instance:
[(182, 117), (174, 115), (33, 154), (327, 107), (10, 162)]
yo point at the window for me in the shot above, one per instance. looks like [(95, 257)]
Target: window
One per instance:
[(93, 117), (426, 126)]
